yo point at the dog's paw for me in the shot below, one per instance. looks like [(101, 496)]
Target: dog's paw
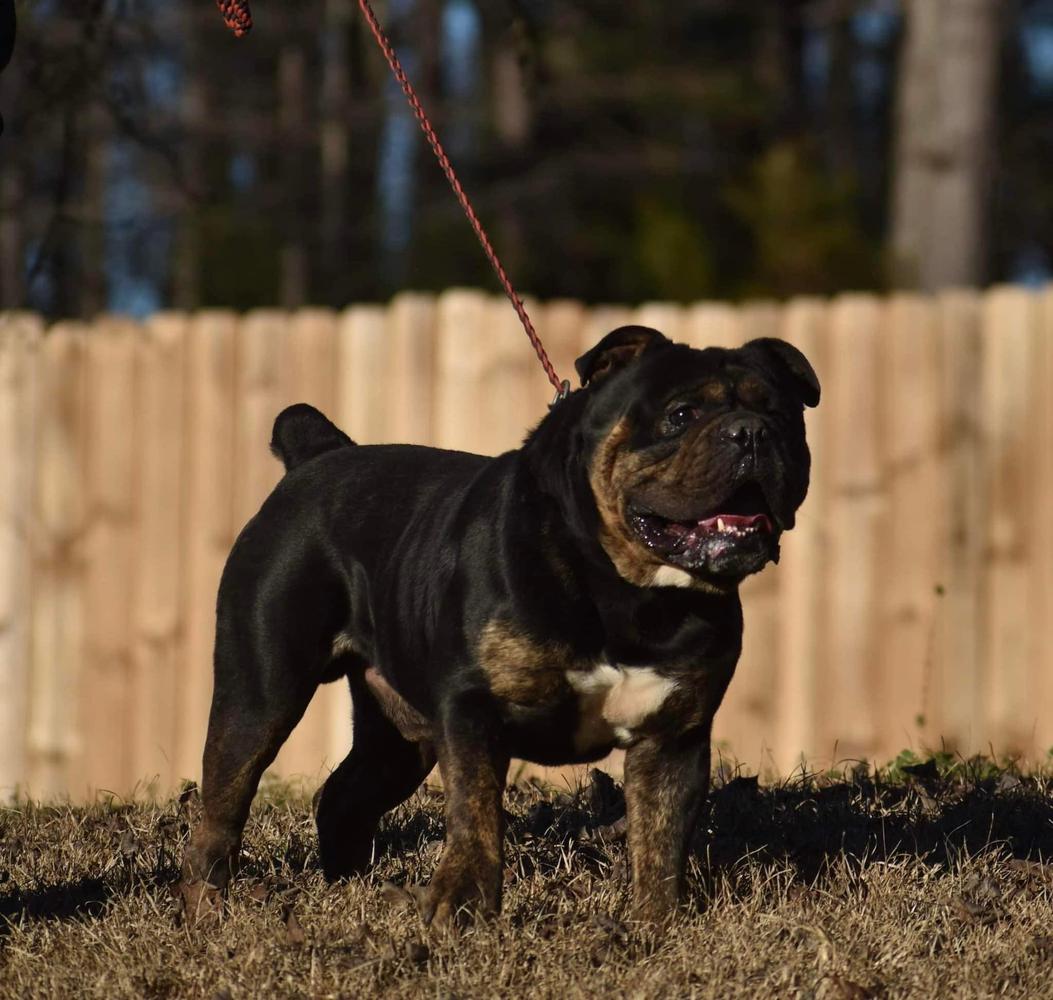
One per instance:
[(457, 893), (201, 902)]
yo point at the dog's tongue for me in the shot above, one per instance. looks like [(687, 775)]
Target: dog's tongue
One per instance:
[(738, 522)]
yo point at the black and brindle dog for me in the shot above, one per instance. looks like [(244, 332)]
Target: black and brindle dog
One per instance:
[(555, 602)]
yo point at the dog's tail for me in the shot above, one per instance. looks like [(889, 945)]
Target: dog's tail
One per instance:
[(301, 432)]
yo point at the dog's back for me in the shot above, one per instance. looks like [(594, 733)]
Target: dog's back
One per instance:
[(301, 433)]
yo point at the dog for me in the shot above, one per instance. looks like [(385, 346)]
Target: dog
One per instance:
[(572, 596)]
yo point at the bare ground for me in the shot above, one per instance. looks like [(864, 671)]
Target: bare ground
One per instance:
[(930, 881)]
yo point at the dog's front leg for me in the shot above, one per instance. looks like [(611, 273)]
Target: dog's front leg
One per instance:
[(473, 767), (666, 780)]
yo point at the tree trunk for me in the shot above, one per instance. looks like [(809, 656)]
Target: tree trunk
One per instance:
[(194, 110), (335, 137), (92, 221), (840, 89), (12, 207), (293, 118), (945, 142)]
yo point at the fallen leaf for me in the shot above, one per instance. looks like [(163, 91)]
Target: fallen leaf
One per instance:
[(432, 849), (842, 988), (1042, 946), (294, 934), (362, 934), (970, 910), (615, 929), (614, 832), (1035, 869), (166, 825), (259, 892), (130, 845), (929, 805), (417, 952), (396, 896)]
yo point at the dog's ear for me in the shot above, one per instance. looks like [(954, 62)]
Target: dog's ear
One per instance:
[(792, 363), (615, 351)]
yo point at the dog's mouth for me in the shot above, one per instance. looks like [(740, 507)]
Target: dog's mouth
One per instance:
[(736, 538)]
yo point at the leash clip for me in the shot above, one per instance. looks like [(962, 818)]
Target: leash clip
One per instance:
[(562, 394)]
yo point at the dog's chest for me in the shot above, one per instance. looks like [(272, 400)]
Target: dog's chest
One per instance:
[(613, 701)]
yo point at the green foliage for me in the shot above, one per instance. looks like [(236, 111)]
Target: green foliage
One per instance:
[(240, 259), (804, 225), (673, 256), (946, 765)]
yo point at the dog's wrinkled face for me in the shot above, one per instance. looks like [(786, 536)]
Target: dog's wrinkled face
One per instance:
[(699, 460)]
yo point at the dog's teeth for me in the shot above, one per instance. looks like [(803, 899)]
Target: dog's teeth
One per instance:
[(720, 524)]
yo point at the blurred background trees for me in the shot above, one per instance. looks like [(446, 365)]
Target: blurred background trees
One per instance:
[(705, 148)]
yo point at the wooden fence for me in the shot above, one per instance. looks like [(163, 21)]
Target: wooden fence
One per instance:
[(913, 606)]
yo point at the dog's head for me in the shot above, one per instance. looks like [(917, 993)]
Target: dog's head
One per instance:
[(696, 459)]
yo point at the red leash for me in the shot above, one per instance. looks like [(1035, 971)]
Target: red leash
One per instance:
[(238, 18)]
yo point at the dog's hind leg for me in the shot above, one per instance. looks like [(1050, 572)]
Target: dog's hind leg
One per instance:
[(256, 703), (390, 756)]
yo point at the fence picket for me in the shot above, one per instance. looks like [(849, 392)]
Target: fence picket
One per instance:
[(57, 540), (712, 324), (854, 527), (1040, 625), (20, 345), (955, 705), (460, 368), (209, 525), (262, 389), (1007, 453), (563, 327), (799, 690), (158, 649), (514, 394), (411, 372), (665, 317), (113, 446), (909, 558)]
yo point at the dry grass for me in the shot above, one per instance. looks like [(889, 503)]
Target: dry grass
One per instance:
[(932, 882)]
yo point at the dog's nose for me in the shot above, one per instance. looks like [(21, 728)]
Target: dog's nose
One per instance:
[(748, 432)]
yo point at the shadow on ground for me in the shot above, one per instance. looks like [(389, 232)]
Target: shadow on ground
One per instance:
[(71, 863)]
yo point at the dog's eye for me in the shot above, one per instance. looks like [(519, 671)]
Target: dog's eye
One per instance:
[(679, 417)]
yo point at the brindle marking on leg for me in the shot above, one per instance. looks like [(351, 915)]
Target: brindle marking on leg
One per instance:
[(470, 871), (403, 716), (664, 787), (520, 668)]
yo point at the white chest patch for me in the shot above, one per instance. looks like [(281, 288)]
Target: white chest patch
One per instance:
[(613, 701)]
